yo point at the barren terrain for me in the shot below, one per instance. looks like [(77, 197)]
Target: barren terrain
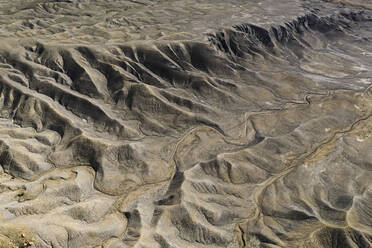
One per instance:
[(195, 123)]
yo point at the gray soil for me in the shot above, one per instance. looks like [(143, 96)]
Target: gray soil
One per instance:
[(186, 123)]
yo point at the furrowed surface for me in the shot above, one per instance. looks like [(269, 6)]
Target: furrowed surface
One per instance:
[(185, 124)]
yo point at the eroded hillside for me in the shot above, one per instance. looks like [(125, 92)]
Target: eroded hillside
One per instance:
[(185, 124)]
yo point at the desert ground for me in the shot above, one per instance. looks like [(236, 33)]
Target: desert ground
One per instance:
[(185, 124)]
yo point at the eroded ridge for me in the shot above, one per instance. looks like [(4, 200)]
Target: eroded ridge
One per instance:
[(255, 137)]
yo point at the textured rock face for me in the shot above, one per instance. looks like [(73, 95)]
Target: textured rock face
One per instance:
[(186, 124)]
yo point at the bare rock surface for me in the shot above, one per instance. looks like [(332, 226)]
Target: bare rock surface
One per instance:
[(164, 124)]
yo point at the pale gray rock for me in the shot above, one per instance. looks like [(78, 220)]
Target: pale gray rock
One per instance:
[(167, 124)]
